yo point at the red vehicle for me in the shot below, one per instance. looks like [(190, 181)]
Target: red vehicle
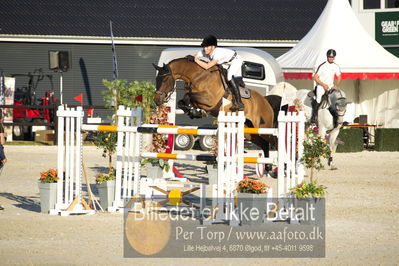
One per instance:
[(32, 113)]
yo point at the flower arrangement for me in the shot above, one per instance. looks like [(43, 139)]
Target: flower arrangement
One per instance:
[(159, 142), (314, 148), (49, 176), (309, 190), (252, 186), (213, 151), (101, 178)]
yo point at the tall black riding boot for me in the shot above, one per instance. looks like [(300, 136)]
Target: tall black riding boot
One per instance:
[(237, 103), (315, 109)]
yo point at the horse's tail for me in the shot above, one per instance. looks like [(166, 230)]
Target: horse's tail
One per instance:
[(275, 103)]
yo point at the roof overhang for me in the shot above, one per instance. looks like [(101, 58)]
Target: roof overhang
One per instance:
[(141, 41), (346, 75)]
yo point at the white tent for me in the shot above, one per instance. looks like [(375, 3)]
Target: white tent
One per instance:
[(370, 74)]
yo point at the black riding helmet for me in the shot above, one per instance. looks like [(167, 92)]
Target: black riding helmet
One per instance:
[(331, 53), (209, 40)]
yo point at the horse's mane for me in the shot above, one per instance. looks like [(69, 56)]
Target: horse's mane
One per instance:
[(188, 58)]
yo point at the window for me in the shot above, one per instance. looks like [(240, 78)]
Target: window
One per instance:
[(253, 70), (391, 3), (371, 4)]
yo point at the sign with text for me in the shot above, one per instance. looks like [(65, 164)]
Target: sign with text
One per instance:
[(275, 229), (387, 28)]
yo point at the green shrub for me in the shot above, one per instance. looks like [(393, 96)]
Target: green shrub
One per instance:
[(352, 138), (387, 139)]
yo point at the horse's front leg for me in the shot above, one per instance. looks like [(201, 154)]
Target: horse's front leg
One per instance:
[(185, 104), (188, 108), (333, 147)]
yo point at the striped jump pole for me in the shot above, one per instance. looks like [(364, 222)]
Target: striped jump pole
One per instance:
[(175, 130), (204, 157)]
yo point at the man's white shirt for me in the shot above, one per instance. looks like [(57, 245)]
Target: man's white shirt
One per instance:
[(326, 72)]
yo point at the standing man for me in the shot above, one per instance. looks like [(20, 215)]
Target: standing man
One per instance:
[(325, 80), (228, 59)]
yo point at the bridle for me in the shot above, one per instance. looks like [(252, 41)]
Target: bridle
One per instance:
[(167, 94), (166, 72)]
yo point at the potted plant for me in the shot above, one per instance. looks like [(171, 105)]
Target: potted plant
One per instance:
[(309, 198), (314, 148), (252, 197), (309, 195), (48, 189), (129, 94), (105, 184)]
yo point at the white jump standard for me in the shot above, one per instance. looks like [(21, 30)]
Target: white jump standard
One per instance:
[(230, 158)]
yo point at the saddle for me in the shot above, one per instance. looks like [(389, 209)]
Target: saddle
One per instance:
[(245, 92), (326, 101)]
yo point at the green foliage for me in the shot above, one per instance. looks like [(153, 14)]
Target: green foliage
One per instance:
[(157, 162), (107, 142), (101, 178), (387, 139), (314, 148), (352, 138), (130, 94), (309, 190)]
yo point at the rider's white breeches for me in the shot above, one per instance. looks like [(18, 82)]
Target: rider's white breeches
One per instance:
[(319, 92), (234, 69)]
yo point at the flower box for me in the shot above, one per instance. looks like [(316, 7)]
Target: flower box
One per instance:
[(252, 208), (48, 196), (154, 171), (106, 193)]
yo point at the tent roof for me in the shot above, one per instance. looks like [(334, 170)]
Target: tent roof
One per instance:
[(358, 55)]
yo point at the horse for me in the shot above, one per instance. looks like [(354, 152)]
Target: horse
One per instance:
[(205, 90), (335, 102)]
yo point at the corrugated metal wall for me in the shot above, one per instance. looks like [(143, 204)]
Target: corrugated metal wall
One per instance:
[(90, 64)]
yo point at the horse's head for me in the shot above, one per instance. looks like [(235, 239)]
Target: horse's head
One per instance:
[(338, 100), (165, 84)]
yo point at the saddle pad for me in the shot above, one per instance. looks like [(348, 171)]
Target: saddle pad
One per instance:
[(245, 93)]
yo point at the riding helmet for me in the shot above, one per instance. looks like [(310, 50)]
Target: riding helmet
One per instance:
[(209, 40), (331, 53)]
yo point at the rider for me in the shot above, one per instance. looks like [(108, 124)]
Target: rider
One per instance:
[(228, 59), (324, 78)]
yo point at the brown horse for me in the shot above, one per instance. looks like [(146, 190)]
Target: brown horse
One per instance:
[(205, 90)]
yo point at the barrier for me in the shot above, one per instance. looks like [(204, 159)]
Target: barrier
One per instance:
[(69, 163), (230, 132)]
